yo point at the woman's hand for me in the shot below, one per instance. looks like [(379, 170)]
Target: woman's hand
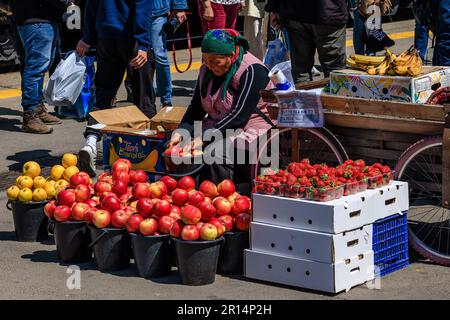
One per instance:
[(174, 140), (140, 60), (82, 48), (208, 12)]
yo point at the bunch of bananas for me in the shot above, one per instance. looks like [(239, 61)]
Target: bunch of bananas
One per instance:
[(408, 63)]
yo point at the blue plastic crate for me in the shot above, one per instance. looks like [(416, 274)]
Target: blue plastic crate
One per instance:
[(390, 244)]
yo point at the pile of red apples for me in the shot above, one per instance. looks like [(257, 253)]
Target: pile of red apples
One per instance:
[(123, 198)]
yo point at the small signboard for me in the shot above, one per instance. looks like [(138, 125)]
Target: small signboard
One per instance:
[(300, 109)]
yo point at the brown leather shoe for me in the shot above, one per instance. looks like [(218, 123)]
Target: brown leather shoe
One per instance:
[(45, 116), (33, 124)]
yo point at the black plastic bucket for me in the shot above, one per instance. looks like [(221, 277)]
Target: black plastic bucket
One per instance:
[(231, 259), (72, 241), (112, 248), (151, 255), (30, 221), (197, 261)]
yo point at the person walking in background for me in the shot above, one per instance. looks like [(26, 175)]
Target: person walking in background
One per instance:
[(312, 25), (38, 29), (358, 29), (219, 14), (421, 39), (254, 26), (162, 11), (441, 55), (120, 31)]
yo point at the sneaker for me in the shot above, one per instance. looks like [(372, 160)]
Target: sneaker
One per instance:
[(315, 72), (87, 158), (167, 104), (33, 124), (45, 116)]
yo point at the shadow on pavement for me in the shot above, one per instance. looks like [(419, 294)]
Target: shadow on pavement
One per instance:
[(172, 278), (11, 125), (52, 257), (7, 236), (41, 156), (10, 112)]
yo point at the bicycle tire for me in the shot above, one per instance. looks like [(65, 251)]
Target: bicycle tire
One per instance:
[(323, 134), (405, 159)]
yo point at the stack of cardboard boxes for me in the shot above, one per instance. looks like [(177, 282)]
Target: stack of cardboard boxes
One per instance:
[(324, 246)]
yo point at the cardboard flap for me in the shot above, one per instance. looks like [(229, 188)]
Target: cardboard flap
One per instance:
[(168, 118), (130, 117)]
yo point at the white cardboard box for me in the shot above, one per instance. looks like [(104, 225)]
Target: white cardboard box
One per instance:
[(310, 245), (333, 278), (336, 216), (390, 200)]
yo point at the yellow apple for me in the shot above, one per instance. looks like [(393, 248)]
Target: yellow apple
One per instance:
[(57, 172), (70, 171), (50, 190), (61, 184), (68, 160), (25, 195), (18, 179), (26, 182), (13, 192), (39, 194), (31, 169), (39, 182), (50, 182)]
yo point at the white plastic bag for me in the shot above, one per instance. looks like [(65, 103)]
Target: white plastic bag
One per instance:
[(64, 86), (284, 80)]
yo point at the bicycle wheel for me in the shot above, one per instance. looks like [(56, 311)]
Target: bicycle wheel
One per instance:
[(318, 145), (428, 221)]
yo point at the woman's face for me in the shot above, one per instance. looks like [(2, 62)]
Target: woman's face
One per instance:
[(218, 64)]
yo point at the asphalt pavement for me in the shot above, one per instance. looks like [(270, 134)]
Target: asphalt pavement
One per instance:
[(32, 271)]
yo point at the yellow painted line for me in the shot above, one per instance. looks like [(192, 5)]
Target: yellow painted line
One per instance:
[(14, 93)]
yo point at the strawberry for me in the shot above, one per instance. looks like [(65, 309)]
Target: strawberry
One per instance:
[(291, 179)]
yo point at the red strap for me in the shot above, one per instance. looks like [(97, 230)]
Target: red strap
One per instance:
[(188, 35)]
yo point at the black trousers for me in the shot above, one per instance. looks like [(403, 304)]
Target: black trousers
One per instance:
[(113, 58)]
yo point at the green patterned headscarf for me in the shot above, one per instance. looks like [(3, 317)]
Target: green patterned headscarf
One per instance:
[(224, 42)]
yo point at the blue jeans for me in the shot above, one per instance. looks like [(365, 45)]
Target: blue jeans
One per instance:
[(358, 33), (159, 44), (41, 43), (421, 39)]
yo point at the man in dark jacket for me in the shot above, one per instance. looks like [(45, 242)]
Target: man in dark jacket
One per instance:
[(37, 25), (312, 25), (120, 31), (442, 49)]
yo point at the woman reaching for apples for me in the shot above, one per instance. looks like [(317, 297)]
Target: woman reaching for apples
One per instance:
[(227, 96)]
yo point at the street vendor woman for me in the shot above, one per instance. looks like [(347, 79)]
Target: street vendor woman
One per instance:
[(227, 96)]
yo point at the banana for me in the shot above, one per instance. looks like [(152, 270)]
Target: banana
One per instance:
[(149, 163), (367, 60), (372, 71), (404, 57), (353, 64), (416, 66)]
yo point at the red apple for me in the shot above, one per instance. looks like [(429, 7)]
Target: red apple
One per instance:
[(222, 205), (111, 203), (177, 226), (208, 199), (208, 232), (148, 227), (228, 222), (66, 197), (233, 197), (226, 188), (101, 218), (241, 205), (165, 224), (208, 211), (119, 218), (190, 233), (121, 165), (91, 203), (123, 176), (134, 222), (79, 178), (219, 225), (195, 198), (170, 183), (167, 198), (141, 190), (190, 214), (242, 221), (158, 190), (82, 193), (62, 213), (179, 197), (199, 225), (79, 211), (105, 177), (129, 210), (49, 209), (101, 187), (208, 188), (162, 208), (119, 187), (125, 198), (89, 214), (139, 176), (175, 212), (144, 207), (186, 183)]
